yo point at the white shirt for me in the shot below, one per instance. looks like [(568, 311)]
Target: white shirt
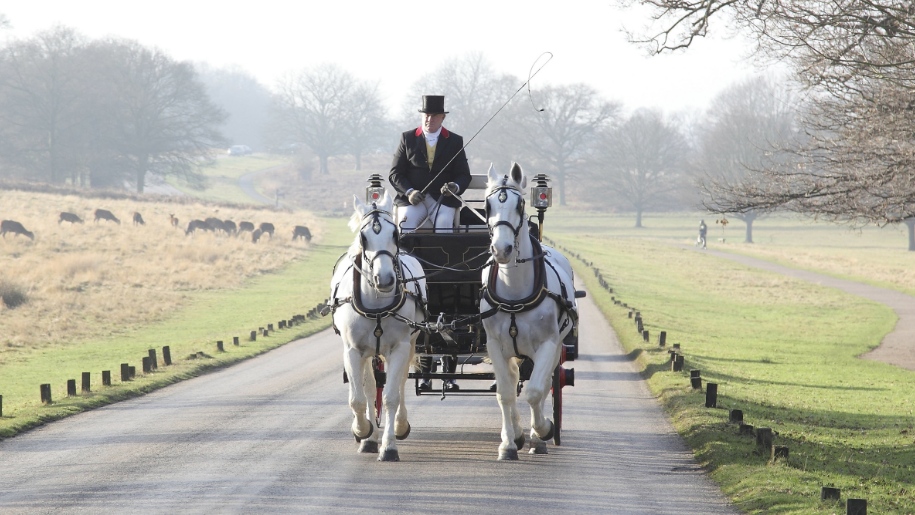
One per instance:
[(432, 137)]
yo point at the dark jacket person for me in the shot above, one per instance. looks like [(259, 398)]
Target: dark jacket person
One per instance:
[(429, 158)]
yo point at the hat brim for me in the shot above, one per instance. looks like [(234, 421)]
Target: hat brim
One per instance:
[(432, 112)]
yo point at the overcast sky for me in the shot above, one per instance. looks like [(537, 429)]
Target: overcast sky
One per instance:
[(395, 42)]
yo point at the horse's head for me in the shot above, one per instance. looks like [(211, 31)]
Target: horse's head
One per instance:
[(377, 242), (505, 212)]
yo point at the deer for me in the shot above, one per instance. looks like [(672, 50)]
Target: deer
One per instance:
[(300, 231), (16, 228), (69, 217), (197, 224), (245, 226), (267, 228), (104, 214), (256, 235), (173, 220), (138, 218), (230, 227)]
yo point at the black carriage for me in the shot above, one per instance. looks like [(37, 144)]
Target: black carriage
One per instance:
[(453, 332)]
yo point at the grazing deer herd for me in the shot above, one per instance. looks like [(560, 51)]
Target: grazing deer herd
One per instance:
[(211, 224)]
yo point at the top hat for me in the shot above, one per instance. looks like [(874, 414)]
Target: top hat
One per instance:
[(433, 104)]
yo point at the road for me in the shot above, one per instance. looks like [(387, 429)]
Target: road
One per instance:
[(272, 435)]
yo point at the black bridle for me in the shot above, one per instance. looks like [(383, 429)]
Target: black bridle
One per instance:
[(376, 227), (502, 197)]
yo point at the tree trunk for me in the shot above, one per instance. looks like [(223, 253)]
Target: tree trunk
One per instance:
[(561, 183), (142, 165), (749, 237), (358, 156), (324, 170), (910, 223), (638, 218)]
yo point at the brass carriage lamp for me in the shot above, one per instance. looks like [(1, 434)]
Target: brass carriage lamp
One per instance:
[(541, 198), (374, 191)]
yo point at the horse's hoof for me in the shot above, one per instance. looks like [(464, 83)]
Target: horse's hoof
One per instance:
[(549, 434), (389, 455), (405, 435), (369, 447), (538, 448), (519, 442), (508, 455), (360, 438)]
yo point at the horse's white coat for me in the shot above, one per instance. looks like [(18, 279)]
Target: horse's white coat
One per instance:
[(396, 344), (539, 336)]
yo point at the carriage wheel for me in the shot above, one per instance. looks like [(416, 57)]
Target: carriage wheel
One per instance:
[(557, 406)]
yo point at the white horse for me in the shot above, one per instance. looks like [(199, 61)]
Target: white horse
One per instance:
[(376, 292), (528, 307)]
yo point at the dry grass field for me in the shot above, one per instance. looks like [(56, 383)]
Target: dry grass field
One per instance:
[(92, 280)]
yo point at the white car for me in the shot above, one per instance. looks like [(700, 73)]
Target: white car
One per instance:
[(239, 150)]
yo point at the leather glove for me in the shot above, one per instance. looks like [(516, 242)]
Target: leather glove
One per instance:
[(449, 188), (416, 197)]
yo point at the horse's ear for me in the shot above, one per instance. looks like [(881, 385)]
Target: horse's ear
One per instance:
[(493, 176), (518, 175), (358, 205), (387, 202)]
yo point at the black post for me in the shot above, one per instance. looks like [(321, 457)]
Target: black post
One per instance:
[(133, 371), (856, 507), (645, 336), (829, 493), (270, 327), (106, 378), (167, 355), (735, 416), (125, 372), (86, 383), (45, 393), (1, 406), (662, 338), (153, 361), (71, 387), (253, 336), (219, 346), (711, 395), (235, 341), (147, 368), (764, 438)]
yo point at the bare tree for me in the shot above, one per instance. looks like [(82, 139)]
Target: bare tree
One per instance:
[(561, 134), (640, 163), (159, 118), (243, 98), (745, 129), (855, 59), (311, 105), (41, 105), (369, 126)]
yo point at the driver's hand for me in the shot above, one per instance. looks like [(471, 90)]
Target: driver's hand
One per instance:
[(416, 197), (449, 188)]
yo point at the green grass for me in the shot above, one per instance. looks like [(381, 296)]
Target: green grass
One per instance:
[(222, 178), (782, 350), (211, 316)]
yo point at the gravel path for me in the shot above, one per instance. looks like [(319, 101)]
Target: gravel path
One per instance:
[(897, 347)]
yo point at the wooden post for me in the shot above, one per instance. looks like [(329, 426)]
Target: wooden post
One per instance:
[(282, 324), (764, 438), (676, 346), (678, 363), (711, 395), (86, 382), (662, 338), (1, 406), (219, 346), (270, 327), (641, 327), (745, 429), (829, 493), (45, 393), (645, 336), (779, 452), (235, 341), (630, 313), (856, 507), (253, 336), (106, 378), (125, 372), (133, 371), (167, 355), (147, 368), (695, 372), (696, 383), (71, 387), (153, 361), (735, 416), (265, 333)]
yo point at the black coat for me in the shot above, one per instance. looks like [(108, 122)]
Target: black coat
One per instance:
[(410, 168)]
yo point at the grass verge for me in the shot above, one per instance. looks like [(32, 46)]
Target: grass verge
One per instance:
[(781, 350), (208, 317)]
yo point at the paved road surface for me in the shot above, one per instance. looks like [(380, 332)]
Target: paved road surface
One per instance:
[(272, 435)]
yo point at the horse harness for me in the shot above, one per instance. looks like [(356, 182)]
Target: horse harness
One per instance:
[(540, 262), (355, 300)]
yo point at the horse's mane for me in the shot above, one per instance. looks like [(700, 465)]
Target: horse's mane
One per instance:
[(354, 222)]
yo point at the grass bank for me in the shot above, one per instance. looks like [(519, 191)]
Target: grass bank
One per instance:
[(782, 350), (207, 316)]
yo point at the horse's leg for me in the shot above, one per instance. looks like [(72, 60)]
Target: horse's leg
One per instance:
[(398, 361), (353, 363), (401, 424), (538, 388), (369, 444), (507, 396)]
